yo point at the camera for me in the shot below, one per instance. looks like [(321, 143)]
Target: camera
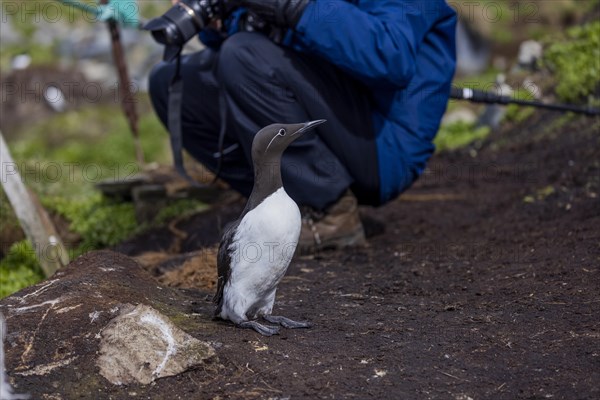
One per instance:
[(181, 22)]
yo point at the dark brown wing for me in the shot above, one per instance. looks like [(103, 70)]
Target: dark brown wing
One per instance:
[(224, 265)]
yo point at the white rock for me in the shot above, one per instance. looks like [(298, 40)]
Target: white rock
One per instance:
[(141, 345), (529, 52)]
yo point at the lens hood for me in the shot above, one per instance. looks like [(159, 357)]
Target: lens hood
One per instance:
[(178, 25)]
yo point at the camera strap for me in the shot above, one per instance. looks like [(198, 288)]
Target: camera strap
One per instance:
[(174, 122)]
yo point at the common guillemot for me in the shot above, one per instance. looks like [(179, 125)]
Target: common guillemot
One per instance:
[(255, 250)]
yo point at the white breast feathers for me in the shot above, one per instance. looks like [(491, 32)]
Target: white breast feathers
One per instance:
[(261, 250)]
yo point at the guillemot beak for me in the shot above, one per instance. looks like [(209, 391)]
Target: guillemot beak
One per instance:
[(310, 125)]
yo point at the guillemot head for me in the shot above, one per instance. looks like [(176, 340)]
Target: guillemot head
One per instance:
[(272, 140)]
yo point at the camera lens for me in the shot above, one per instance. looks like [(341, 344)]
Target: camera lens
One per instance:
[(168, 35), (179, 24)]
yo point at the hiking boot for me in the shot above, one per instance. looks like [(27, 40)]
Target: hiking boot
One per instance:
[(337, 227)]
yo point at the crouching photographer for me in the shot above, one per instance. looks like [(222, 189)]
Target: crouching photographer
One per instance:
[(378, 71)]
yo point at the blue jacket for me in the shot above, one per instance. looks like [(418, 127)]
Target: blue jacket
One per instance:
[(404, 51)]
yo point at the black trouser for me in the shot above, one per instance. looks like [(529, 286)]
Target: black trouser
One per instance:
[(262, 83)]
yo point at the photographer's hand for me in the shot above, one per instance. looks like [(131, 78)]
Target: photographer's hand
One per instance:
[(283, 13)]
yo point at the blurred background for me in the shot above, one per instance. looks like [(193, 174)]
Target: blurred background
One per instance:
[(62, 118)]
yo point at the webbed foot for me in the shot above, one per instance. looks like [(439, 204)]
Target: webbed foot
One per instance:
[(286, 322), (262, 329)]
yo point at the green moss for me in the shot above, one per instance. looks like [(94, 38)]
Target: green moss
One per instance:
[(554, 127), (151, 9), (10, 226), (100, 222), (502, 36), (98, 135), (19, 269), (459, 134), (69, 153), (540, 195), (64, 157), (183, 321), (40, 54), (484, 81), (517, 113), (25, 16), (90, 145), (178, 208), (575, 61)]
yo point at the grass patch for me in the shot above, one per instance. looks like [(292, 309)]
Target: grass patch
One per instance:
[(62, 159), (177, 209), (40, 54), (485, 81), (459, 134), (100, 222), (97, 134), (575, 62), (516, 113), (19, 268), (69, 153), (10, 229), (540, 194), (26, 15), (103, 222)]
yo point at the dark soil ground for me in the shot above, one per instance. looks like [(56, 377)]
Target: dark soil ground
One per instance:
[(485, 284)]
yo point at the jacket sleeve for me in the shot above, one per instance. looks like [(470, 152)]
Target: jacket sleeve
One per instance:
[(378, 45)]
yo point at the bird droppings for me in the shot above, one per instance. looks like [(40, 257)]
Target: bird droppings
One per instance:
[(380, 373), (52, 303), (463, 397), (67, 309), (40, 290), (94, 316), (47, 368), (165, 329)]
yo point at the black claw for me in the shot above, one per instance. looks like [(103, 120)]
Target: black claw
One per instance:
[(262, 329), (286, 322)]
